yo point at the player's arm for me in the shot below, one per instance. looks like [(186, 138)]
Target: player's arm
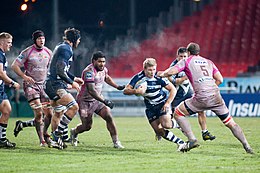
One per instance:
[(109, 80), (76, 79), (16, 67), (217, 75), (177, 81), (61, 72), (168, 72), (218, 78), (129, 90), (172, 92), (6, 79), (93, 92)]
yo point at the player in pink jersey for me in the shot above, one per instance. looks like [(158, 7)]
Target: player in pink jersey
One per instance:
[(35, 59), (91, 100), (205, 78)]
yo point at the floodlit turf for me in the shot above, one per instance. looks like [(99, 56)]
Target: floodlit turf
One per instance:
[(141, 154)]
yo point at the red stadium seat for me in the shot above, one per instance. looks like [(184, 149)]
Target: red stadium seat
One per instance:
[(227, 31)]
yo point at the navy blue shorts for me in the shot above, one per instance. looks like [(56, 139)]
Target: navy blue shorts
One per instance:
[(154, 112), (3, 96), (51, 88)]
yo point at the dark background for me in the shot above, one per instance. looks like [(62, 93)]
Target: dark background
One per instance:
[(84, 15)]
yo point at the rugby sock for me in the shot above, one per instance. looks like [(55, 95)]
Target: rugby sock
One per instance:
[(185, 127), (171, 137), (29, 123), (65, 135), (175, 124), (65, 120), (204, 131), (3, 131)]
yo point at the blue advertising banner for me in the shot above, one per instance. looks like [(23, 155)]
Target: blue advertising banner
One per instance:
[(241, 85), (241, 105)]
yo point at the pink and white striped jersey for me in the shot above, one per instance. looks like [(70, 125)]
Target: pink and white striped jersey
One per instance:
[(91, 75), (35, 62), (200, 72)]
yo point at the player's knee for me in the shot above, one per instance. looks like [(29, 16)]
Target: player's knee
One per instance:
[(166, 124), (229, 122), (178, 113), (73, 106)]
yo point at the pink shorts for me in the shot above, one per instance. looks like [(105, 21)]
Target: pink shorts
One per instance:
[(87, 108), (212, 102), (35, 91)]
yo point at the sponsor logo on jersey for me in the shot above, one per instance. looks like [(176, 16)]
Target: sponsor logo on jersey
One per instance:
[(199, 62), (88, 75)]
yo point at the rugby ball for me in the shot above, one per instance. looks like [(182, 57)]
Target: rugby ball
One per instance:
[(142, 84)]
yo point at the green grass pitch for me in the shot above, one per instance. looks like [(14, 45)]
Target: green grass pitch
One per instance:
[(141, 154)]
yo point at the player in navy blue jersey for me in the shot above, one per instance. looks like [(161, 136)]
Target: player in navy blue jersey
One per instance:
[(157, 101), (185, 91), (5, 107), (58, 80)]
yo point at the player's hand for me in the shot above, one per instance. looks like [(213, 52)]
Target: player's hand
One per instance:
[(140, 91), (120, 87), (76, 86), (166, 107), (79, 80), (69, 86), (16, 86), (109, 103), (28, 79)]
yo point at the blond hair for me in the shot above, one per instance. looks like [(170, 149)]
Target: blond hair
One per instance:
[(5, 35), (149, 62)]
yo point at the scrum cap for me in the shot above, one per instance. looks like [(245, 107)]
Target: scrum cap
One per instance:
[(36, 34)]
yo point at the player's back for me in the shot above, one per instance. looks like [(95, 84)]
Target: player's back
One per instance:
[(200, 72), (61, 54)]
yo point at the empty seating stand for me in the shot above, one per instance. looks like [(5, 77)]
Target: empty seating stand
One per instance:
[(228, 32)]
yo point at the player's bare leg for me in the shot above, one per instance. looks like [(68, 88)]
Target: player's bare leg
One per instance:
[(238, 133), (5, 109), (38, 115), (160, 127), (85, 125), (206, 135), (66, 99), (48, 113), (179, 115), (105, 113)]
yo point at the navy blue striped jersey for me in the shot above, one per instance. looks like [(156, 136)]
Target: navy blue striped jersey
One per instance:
[(184, 87), (154, 94), (4, 62), (60, 63)]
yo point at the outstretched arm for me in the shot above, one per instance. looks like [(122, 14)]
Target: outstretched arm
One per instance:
[(109, 80), (168, 72)]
